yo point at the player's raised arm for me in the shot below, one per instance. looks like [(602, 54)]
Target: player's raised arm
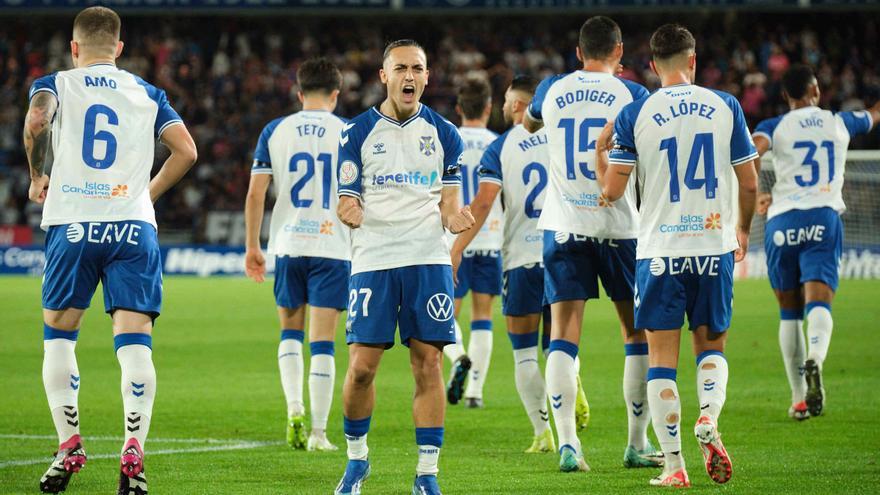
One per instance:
[(455, 219), (183, 157), (36, 140)]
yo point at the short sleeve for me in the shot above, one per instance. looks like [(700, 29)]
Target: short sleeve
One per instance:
[(45, 83), (453, 148), (350, 166), (856, 122), (742, 149), (534, 108), (166, 116), (635, 89), (262, 158), (766, 128), (624, 150), (490, 163)]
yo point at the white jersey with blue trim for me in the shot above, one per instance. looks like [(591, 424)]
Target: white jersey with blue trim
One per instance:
[(476, 140), (684, 141), (299, 151), (517, 161), (397, 170), (103, 140), (574, 108), (809, 156)]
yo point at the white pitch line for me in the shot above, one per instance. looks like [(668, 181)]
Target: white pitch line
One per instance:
[(240, 445), (110, 438)]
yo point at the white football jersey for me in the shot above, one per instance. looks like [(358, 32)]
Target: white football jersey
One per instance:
[(300, 152), (684, 141), (809, 156), (103, 139), (398, 170), (517, 161), (476, 140), (574, 108)]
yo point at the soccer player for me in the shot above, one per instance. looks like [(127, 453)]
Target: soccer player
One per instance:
[(695, 164), (311, 249), (481, 266), (588, 239), (514, 166), (804, 235), (398, 190), (101, 227)]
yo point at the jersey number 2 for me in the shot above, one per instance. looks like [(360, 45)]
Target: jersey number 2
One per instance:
[(531, 211)]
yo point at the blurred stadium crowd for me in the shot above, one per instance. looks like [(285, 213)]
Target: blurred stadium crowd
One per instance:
[(228, 77)]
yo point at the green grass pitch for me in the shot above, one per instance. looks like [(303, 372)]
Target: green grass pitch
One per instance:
[(215, 355)]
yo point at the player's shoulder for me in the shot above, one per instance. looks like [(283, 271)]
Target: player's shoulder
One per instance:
[(729, 100), (270, 128), (768, 126), (432, 117), (636, 90), (360, 126), (47, 83)]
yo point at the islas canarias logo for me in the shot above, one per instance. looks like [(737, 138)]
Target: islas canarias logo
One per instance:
[(713, 221), (97, 190), (120, 191), (327, 227)]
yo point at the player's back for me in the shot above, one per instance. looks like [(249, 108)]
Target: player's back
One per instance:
[(300, 151), (687, 139), (103, 141), (809, 156), (476, 140), (518, 162), (574, 108)]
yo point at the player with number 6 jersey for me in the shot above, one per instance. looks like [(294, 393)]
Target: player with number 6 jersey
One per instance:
[(102, 124), (691, 149), (311, 248), (803, 237), (588, 239)]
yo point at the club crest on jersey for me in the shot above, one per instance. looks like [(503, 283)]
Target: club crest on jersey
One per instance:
[(348, 173), (426, 145)]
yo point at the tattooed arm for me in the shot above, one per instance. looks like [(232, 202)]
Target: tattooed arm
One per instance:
[(36, 141)]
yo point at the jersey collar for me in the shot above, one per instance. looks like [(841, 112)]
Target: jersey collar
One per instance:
[(98, 64), (398, 123)]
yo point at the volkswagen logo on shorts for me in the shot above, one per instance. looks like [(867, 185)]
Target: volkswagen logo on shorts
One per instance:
[(75, 233), (778, 238), (561, 237), (440, 307), (657, 267)]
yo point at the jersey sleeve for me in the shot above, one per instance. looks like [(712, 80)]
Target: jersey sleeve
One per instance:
[(635, 89), (453, 148), (624, 150), (766, 128), (856, 122), (742, 149), (262, 158), (45, 83), (534, 108), (490, 164), (350, 165), (166, 116)]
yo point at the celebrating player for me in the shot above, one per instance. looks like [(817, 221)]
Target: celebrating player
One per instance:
[(398, 188), (803, 238), (694, 159), (514, 165), (587, 238), (481, 267), (311, 250), (101, 227)]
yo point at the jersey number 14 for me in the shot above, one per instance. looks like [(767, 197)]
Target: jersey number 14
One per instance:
[(703, 147)]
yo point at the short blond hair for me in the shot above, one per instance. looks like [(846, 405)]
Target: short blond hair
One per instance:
[(98, 27)]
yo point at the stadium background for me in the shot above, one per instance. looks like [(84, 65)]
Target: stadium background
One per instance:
[(229, 67)]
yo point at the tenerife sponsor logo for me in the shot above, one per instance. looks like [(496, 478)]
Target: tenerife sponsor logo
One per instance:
[(97, 190), (404, 179)]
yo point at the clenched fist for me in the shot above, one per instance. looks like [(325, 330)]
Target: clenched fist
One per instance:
[(37, 190), (350, 211), (460, 221)]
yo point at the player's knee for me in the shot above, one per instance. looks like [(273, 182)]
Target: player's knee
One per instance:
[(428, 368), (361, 375)]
